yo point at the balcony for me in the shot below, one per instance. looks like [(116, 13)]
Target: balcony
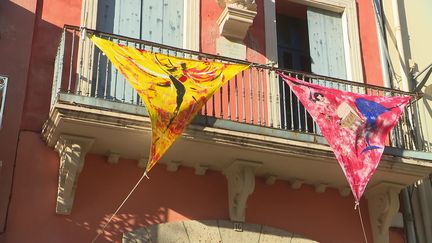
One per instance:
[(255, 118)]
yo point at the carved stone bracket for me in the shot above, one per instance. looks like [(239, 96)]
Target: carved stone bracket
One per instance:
[(243, 4), (200, 169), (113, 158), (383, 203), (235, 21), (142, 163), (72, 151), (241, 183)]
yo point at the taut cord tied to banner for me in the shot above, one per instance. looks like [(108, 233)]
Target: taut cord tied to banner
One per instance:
[(120, 206)]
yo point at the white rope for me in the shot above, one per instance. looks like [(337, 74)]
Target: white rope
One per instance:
[(121, 205), (357, 205)]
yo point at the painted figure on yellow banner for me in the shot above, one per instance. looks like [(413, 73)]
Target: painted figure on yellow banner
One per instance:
[(173, 89)]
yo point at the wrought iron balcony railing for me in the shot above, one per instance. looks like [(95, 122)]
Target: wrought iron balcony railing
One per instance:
[(256, 96)]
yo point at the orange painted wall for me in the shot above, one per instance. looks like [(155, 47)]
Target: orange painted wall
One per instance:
[(166, 197), (16, 32)]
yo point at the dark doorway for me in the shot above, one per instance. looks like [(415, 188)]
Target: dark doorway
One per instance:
[(293, 53)]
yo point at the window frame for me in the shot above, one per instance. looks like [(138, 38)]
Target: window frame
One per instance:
[(350, 28)]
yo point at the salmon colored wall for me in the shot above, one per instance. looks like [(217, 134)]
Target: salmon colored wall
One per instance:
[(52, 15), (166, 197), (369, 43), (397, 235), (16, 31), (324, 217)]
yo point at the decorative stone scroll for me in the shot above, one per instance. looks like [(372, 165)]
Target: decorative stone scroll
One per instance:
[(241, 183), (72, 151)]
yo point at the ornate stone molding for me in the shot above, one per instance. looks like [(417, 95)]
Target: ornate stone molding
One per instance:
[(241, 183), (235, 21), (241, 4), (173, 166), (113, 158), (383, 203), (200, 169), (271, 179), (72, 151)]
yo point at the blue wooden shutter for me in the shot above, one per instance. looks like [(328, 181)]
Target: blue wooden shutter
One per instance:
[(162, 21), (127, 18), (158, 21), (326, 43), (154, 20)]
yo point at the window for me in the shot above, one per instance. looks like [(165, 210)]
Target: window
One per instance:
[(169, 22), (318, 36), (159, 21), (3, 87), (293, 53)]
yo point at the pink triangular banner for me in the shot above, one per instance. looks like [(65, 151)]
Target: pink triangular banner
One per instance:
[(356, 126)]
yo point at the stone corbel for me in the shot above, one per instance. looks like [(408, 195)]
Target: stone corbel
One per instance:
[(243, 4), (241, 183), (72, 151), (237, 17), (383, 203)]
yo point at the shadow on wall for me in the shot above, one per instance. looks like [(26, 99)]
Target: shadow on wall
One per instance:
[(255, 37), (46, 39), (427, 102), (123, 223), (27, 59), (405, 36)]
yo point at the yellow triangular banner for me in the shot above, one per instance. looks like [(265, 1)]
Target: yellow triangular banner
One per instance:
[(173, 89)]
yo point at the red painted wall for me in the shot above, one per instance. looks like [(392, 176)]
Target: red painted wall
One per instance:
[(369, 43), (166, 197), (16, 31)]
